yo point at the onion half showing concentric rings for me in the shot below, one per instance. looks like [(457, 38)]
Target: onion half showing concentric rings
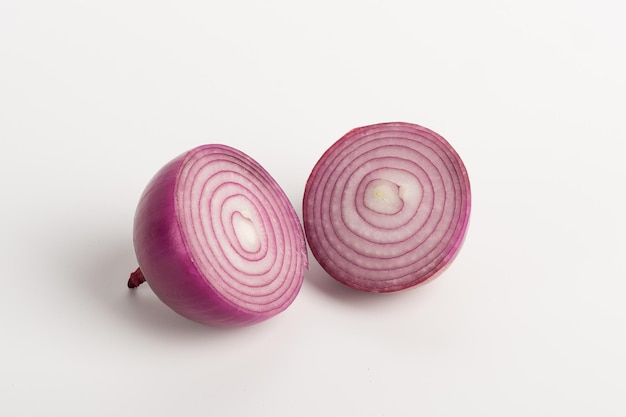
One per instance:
[(387, 207), (217, 239)]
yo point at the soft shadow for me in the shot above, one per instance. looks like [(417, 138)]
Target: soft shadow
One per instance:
[(319, 279), (103, 274)]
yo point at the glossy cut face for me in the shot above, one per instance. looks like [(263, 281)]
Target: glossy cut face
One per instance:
[(386, 207), (240, 229)]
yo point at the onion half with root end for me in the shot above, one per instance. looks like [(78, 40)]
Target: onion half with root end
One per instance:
[(218, 240), (387, 207)]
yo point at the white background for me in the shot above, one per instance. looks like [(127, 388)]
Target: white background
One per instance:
[(530, 320)]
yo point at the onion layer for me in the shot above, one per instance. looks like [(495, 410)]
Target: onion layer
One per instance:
[(387, 207), (218, 240)]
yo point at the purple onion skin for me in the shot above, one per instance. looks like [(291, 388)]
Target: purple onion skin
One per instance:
[(321, 233), (168, 267)]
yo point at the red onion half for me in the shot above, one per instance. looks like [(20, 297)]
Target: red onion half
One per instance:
[(218, 240), (386, 207)]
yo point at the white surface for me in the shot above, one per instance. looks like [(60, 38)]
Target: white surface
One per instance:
[(529, 320)]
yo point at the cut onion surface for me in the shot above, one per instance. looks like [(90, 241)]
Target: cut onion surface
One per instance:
[(217, 239), (387, 207)]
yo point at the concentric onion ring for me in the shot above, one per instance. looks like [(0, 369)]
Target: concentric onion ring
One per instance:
[(387, 207), (218, 240)]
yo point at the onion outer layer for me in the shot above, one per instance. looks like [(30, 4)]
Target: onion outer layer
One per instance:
[(218, 240), (387, 207)]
